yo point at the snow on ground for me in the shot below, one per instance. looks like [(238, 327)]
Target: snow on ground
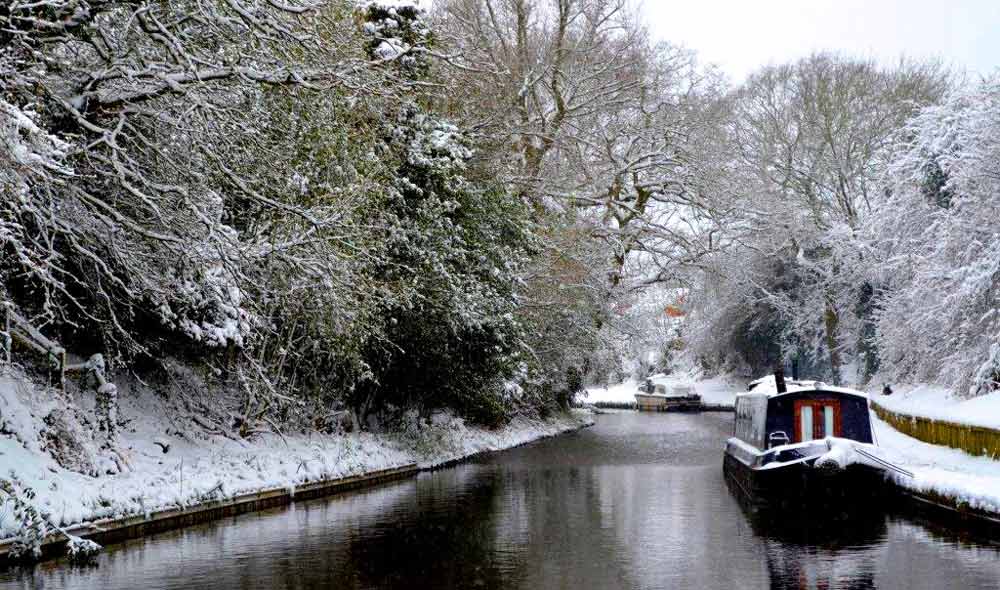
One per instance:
[(719, 390), (944, 470), (202, 467), (457, 440), (938, 403), (620, 394)]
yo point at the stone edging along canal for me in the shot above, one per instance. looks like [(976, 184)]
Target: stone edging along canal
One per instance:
[(114, 530)]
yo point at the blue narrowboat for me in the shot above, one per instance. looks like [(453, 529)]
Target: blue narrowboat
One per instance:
[(804, 443)]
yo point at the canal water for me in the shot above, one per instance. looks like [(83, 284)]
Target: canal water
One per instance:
[(637, 501)]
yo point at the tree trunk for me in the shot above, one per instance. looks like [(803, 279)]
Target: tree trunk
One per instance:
[(831, 321)]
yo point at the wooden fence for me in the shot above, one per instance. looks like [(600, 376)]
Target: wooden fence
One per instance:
[(975, 440)]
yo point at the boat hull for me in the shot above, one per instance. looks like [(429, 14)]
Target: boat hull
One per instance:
[(801, 486)]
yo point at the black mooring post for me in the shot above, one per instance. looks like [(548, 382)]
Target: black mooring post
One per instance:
[(779, 378)]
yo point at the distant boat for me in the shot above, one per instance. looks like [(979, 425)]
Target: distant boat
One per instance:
[(657, 398), (804, 443)]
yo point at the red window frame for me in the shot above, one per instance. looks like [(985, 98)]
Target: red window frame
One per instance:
[(819, 420)]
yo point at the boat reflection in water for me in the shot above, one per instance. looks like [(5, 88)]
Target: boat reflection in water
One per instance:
[(813, 550)]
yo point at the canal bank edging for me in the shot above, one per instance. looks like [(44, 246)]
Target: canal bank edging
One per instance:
[(114, 530), (949, 509)]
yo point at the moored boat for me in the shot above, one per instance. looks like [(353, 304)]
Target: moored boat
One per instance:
[(804, 444), (658, 399)]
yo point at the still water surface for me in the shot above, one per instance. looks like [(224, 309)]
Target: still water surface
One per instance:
[(638, 501)]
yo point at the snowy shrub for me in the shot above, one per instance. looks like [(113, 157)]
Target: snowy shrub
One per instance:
[(30, 526), (33, 528), (65, 439), (398, 34), (81, 551)]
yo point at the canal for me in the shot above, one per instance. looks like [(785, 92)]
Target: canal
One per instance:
[(636, 501)]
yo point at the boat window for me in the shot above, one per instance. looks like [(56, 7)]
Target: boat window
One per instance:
[(806, 424), (817, 418)]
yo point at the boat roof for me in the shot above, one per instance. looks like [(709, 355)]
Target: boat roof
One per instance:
[(821, 387), (766, 386)]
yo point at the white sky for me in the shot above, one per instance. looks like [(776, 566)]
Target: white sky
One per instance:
[(741, 35)]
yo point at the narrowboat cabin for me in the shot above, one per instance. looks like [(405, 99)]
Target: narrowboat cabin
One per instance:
[(803, 443), (656, 398)]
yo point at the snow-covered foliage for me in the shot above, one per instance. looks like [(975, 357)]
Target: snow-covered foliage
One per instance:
[(81, 551), (399, 34), (31, 526), (29, 154), (608, 137), (260, 187), (936, 246), (811, 142)]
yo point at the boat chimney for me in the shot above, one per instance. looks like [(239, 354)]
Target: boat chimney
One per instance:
[(779, 378)]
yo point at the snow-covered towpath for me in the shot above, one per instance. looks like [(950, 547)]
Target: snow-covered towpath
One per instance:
[(942, 470), (938, 403)]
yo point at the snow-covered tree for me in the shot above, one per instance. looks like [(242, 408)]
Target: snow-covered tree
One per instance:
[(811, 139), (150, 103), (935, 246), (605, 134), (259, 187)]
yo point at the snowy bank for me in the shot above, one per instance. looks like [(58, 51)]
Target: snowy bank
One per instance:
[(169, 468), (962, 479), (938, 403), (720, 390)]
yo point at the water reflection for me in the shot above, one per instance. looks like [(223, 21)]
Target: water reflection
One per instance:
[(638, 501), (814, 550)]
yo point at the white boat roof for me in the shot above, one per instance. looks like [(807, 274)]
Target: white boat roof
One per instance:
[(767, 386)]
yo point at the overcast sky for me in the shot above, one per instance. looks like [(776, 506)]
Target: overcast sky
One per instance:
[(740, 35)]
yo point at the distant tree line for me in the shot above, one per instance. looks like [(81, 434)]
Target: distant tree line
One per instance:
[(864, 245)]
